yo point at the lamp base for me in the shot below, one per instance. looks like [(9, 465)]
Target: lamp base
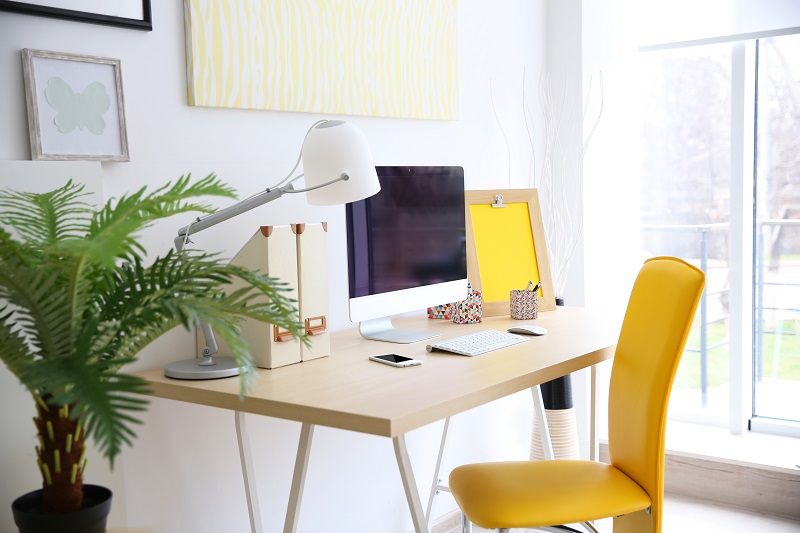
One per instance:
[(223, 367)]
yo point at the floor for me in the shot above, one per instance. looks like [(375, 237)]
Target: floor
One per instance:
[(686, 516)]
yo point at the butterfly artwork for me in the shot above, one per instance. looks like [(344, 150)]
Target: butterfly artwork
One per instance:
[(76, 107), (83, 110)]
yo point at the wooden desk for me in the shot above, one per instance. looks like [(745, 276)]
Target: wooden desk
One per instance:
[(348, 391)]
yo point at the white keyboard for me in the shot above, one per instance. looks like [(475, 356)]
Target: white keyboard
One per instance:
[(477, 343)]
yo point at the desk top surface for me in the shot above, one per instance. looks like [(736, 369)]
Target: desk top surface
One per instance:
[(348, 391)]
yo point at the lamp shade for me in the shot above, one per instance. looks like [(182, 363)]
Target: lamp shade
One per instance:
[(334, 148)]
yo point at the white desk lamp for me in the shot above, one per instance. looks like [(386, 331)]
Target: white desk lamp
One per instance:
[(335, 157)]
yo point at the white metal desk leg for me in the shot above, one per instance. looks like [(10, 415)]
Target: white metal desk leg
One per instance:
[(246, 458), (410, 486), (299, 477), (541, 421), (436, 486), (594, 441)]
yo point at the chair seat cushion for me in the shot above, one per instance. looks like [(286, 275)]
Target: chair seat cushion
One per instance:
[(543, 493)]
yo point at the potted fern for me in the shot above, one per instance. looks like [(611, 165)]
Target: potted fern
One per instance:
[(78, 302)]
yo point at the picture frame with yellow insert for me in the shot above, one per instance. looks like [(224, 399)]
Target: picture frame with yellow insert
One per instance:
[(506, 247)]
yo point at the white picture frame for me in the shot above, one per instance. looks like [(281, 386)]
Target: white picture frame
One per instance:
[(76, 107)]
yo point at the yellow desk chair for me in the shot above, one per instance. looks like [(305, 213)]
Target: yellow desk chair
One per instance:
[(537, 494)]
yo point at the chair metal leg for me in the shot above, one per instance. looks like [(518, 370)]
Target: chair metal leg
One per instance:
[(466, 525), (590, 527), (559, 529)]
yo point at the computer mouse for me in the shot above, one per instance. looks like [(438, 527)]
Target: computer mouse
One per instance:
[(528, 329)]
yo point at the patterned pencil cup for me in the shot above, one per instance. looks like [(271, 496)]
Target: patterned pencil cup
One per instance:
[(468, 311), (440, 311), (524, 305)]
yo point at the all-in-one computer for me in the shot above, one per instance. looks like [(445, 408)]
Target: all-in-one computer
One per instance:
[(406, 248)]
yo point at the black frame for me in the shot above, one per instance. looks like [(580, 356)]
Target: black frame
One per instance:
[(145, 24)]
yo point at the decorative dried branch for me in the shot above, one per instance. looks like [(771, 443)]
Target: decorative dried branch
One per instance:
[(562, 200)]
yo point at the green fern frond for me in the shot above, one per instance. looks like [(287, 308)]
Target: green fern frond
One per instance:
[(13, 346), (42, 309), (46, 218), (190, 289), (113, 230)]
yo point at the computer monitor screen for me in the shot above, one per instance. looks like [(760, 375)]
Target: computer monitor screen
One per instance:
[(406, 247)]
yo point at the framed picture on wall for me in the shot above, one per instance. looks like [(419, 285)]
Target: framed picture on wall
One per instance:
[(133, 14), (76, 109)]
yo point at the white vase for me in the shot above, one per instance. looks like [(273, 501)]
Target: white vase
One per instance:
[(563, 434)]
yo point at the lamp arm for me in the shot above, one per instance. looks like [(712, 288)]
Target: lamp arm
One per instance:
[(344, 177), (229, 212), (211, 346)]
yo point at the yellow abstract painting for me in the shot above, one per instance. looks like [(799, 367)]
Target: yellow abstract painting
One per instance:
[(387, 58)]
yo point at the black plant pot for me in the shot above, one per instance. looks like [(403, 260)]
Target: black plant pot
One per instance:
[(557, 394), (92, 518)]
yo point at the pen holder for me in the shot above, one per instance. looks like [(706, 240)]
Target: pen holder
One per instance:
[(524, 305), (468, 311), (440, 311)]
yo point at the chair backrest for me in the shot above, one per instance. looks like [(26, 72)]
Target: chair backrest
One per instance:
[(654, 331)]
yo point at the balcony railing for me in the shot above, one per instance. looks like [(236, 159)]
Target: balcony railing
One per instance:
[(761, 283), (704, 231)]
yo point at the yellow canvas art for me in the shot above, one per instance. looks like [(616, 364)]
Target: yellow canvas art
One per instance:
[(389, 58)]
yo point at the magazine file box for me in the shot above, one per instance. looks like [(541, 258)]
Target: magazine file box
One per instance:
[(272, 251), (312, 274)]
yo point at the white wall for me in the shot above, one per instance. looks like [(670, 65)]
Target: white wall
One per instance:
[(183, 473)]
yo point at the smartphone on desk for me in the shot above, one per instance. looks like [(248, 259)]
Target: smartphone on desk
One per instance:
[(395, 360)]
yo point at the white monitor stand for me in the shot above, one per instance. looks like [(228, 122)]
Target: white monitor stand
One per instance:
[(381, 329), (374, 312)]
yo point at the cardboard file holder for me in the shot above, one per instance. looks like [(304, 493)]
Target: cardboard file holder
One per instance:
[(296, 255), (312, 274)]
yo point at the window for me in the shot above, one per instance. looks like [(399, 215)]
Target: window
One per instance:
[(684, 205), (687, 183), (776, 370)]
